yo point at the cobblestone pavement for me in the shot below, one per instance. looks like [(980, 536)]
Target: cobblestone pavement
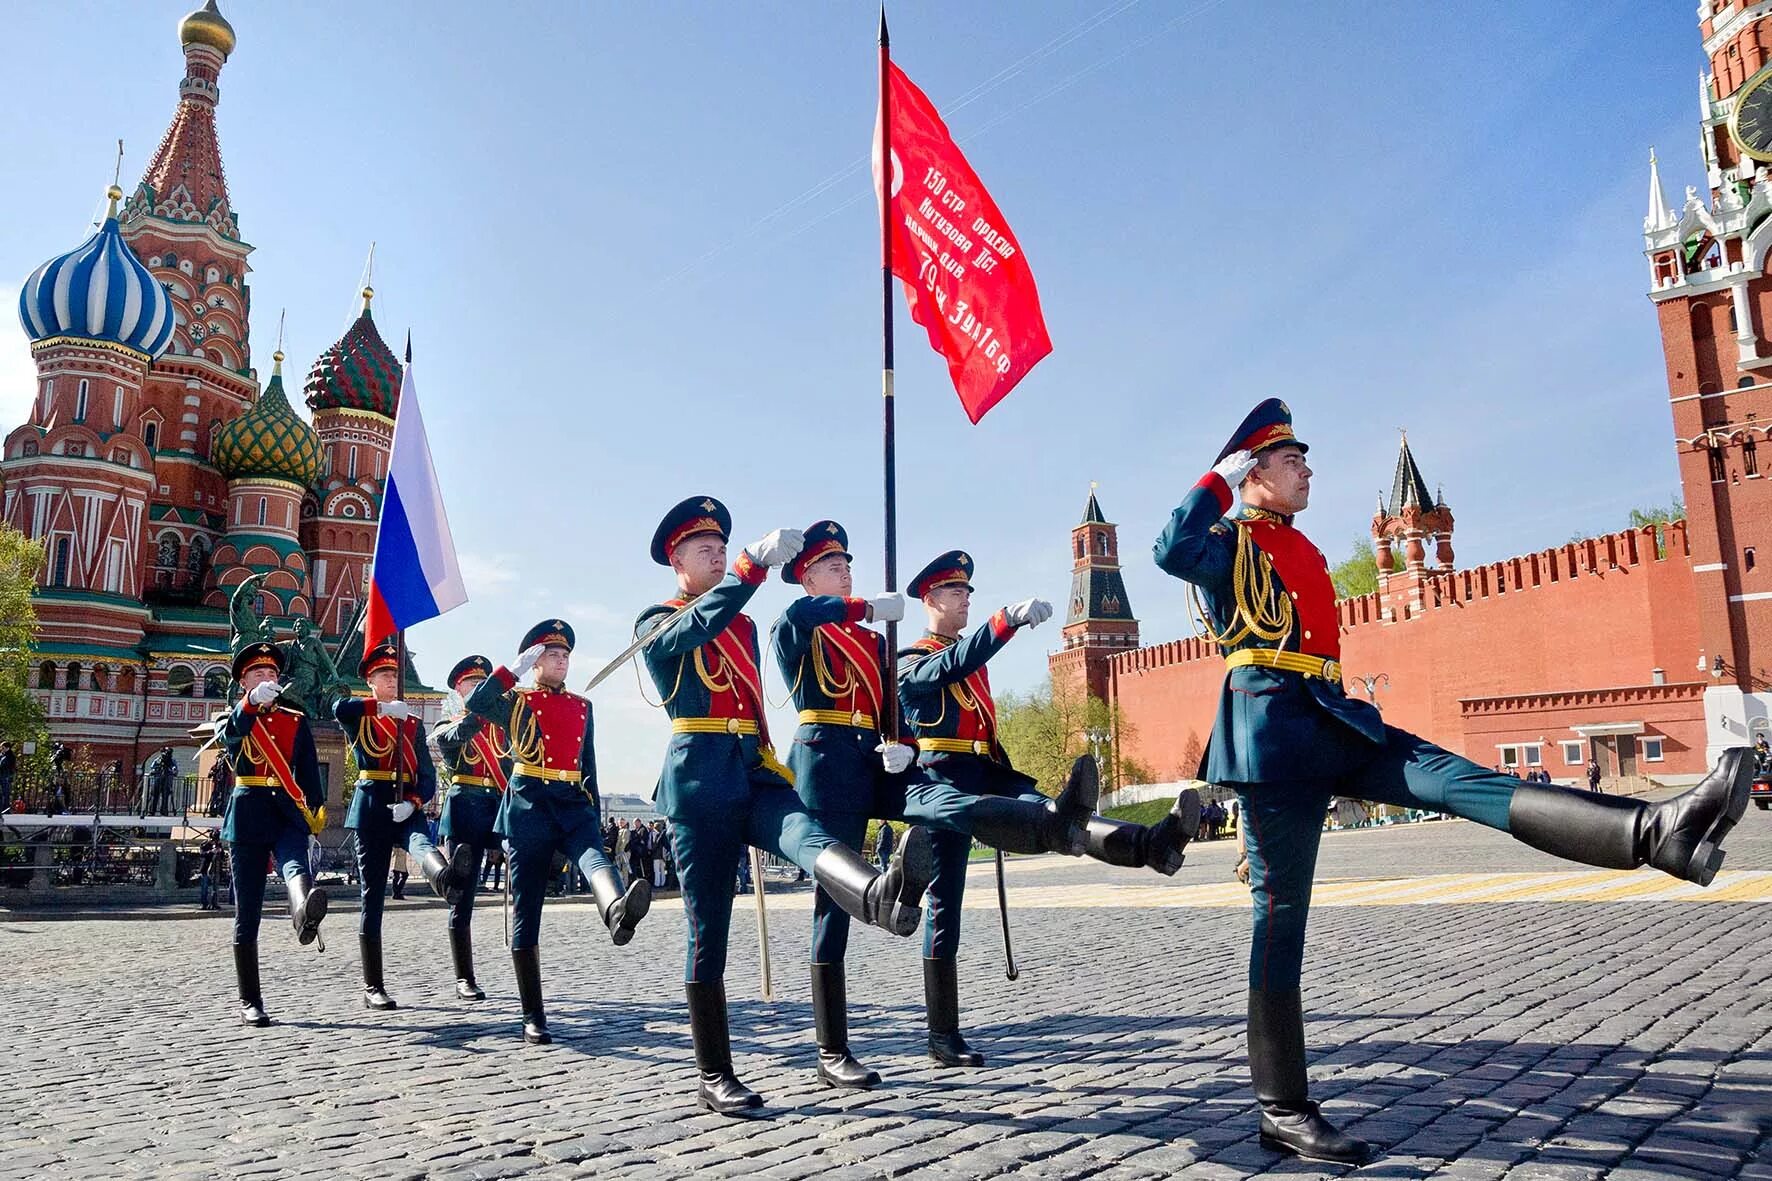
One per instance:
[(1473, 1015)]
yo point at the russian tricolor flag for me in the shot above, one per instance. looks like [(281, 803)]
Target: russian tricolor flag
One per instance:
[(415, 576)]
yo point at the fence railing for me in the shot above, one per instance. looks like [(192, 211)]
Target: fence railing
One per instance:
[(87, 792)]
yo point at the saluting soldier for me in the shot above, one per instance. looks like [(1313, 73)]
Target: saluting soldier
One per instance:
[(277, 802), (722, 787), (389, 746), (477, 756), (944, 689), (1288, 738), (846, 773), (551, 805)]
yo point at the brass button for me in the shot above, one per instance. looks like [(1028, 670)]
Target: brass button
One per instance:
[(1307, 635), (858, 718), (732, 725)]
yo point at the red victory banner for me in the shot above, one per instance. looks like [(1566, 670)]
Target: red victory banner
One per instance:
[(965, 277)]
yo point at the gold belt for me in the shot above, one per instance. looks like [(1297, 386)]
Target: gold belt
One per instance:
[(1291, 662), (836, 717), (258, 781), (472, 781), (535, 772), (380, 776), (713, 726), (955, 746)]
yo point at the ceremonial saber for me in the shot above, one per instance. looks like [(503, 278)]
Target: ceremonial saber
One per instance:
[(627, 653), (762, 924), (1009, 968)]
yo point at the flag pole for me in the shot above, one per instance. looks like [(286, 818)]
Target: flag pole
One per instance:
[(888, 707), (400, 637)]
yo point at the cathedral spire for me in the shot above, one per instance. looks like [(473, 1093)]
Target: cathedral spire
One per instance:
[(1660, 215), (184, 181)]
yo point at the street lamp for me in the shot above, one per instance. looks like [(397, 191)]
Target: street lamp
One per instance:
[(1371, 683), (1097, 739)]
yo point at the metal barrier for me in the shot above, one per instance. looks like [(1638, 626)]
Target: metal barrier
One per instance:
[(90, 793)]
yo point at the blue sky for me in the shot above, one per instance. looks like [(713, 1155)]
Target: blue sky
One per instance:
[(636, 268)]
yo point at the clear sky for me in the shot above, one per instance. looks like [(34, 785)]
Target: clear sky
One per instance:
[(636, 246)]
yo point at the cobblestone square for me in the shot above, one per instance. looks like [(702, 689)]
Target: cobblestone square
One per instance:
[(1477, 1009)]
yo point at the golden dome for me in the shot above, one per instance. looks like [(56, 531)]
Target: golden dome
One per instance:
[(207, 26)]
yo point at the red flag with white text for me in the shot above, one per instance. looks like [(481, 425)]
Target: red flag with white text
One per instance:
[(966, 279)]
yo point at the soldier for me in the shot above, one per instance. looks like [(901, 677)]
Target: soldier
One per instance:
[(1288, 737), (846, 773), (945, 692), (477, 756), (277, 802), (722, 787), (551, 805), (389, 745)]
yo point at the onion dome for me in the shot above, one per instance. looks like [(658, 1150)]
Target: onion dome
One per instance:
[(207, 26), (99, 291), (269, 442), (360, 372)]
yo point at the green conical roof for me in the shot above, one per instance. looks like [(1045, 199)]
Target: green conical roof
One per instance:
[(269, 441)]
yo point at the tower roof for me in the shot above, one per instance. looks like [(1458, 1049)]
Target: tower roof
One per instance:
[(207, 26), (1660, 216), (1092, 514), (99, 291), (269, 441), (184, 181), (1407, 487), (359, 372)]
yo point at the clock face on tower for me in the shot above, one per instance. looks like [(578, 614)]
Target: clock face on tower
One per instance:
[(1751, 124)]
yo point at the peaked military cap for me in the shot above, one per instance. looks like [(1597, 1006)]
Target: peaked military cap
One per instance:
[(261, 655), (698, 514), (551, 632), (822, 539), (473, 666), (953, 568), (1268, 425), (377, 658)]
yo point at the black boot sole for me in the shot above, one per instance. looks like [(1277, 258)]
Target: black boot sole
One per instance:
[(1707, 856), (1188, 818), (743, 1108), (313, 910), (634, 907), (917, 865), (1287, 1148)]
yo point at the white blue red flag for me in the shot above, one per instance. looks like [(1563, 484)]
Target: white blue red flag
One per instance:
[(415, 576)]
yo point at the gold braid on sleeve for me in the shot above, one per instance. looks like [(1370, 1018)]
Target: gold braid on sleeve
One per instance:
[(1262, 611)]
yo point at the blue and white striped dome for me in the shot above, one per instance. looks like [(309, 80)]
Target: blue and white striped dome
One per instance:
[(100, 291)]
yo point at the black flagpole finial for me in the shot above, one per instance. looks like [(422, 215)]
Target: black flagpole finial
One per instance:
[(409, 346), (883, 37)]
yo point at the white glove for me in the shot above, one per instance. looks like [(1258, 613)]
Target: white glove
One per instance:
[(1236, 467), (402, 811), (778, 548), (527, 659), (264, 692), (886, 608), (1028, 613), (398, 710), (897, 756)]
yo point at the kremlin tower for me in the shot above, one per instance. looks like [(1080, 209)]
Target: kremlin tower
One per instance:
[(157, 473)]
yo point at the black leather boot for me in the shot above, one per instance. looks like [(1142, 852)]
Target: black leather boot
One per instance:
[(1682, 836), (830, 1024), (307, 906), (461, 952), (375, 995), (1158, 846), (1027, 826), (449, 877), (892, 900), (621, 911), (941, 999), (252, 1000), (1290, 1122), (527, 963), (719, 1090)]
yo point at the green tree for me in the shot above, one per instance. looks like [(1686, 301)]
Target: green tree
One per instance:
[(21, 718), (1659, 516), (1044, 731), (1359, 574)]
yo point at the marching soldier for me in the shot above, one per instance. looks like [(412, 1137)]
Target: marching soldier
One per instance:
[(477, 756), (277, 802), (722, 787), (945, 691), (389, 745), (1288, 737), (551, 804), (846, 774)]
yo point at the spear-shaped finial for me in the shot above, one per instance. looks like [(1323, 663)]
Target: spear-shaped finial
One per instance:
[(885, 41), (409, 346)]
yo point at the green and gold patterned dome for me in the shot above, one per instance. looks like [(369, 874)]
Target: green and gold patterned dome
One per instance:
[(360, 372), (269, 442)]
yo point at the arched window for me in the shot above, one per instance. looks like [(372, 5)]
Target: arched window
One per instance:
[(58, 574), (196, 557), (351, 470), (46, 675), (151, 435), (101, 677), (167, 552), (261, 510), (74, 671), (215, 683), (1718, 471), (179, 681), (80, 398), (1750, 458), (117, 410)]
